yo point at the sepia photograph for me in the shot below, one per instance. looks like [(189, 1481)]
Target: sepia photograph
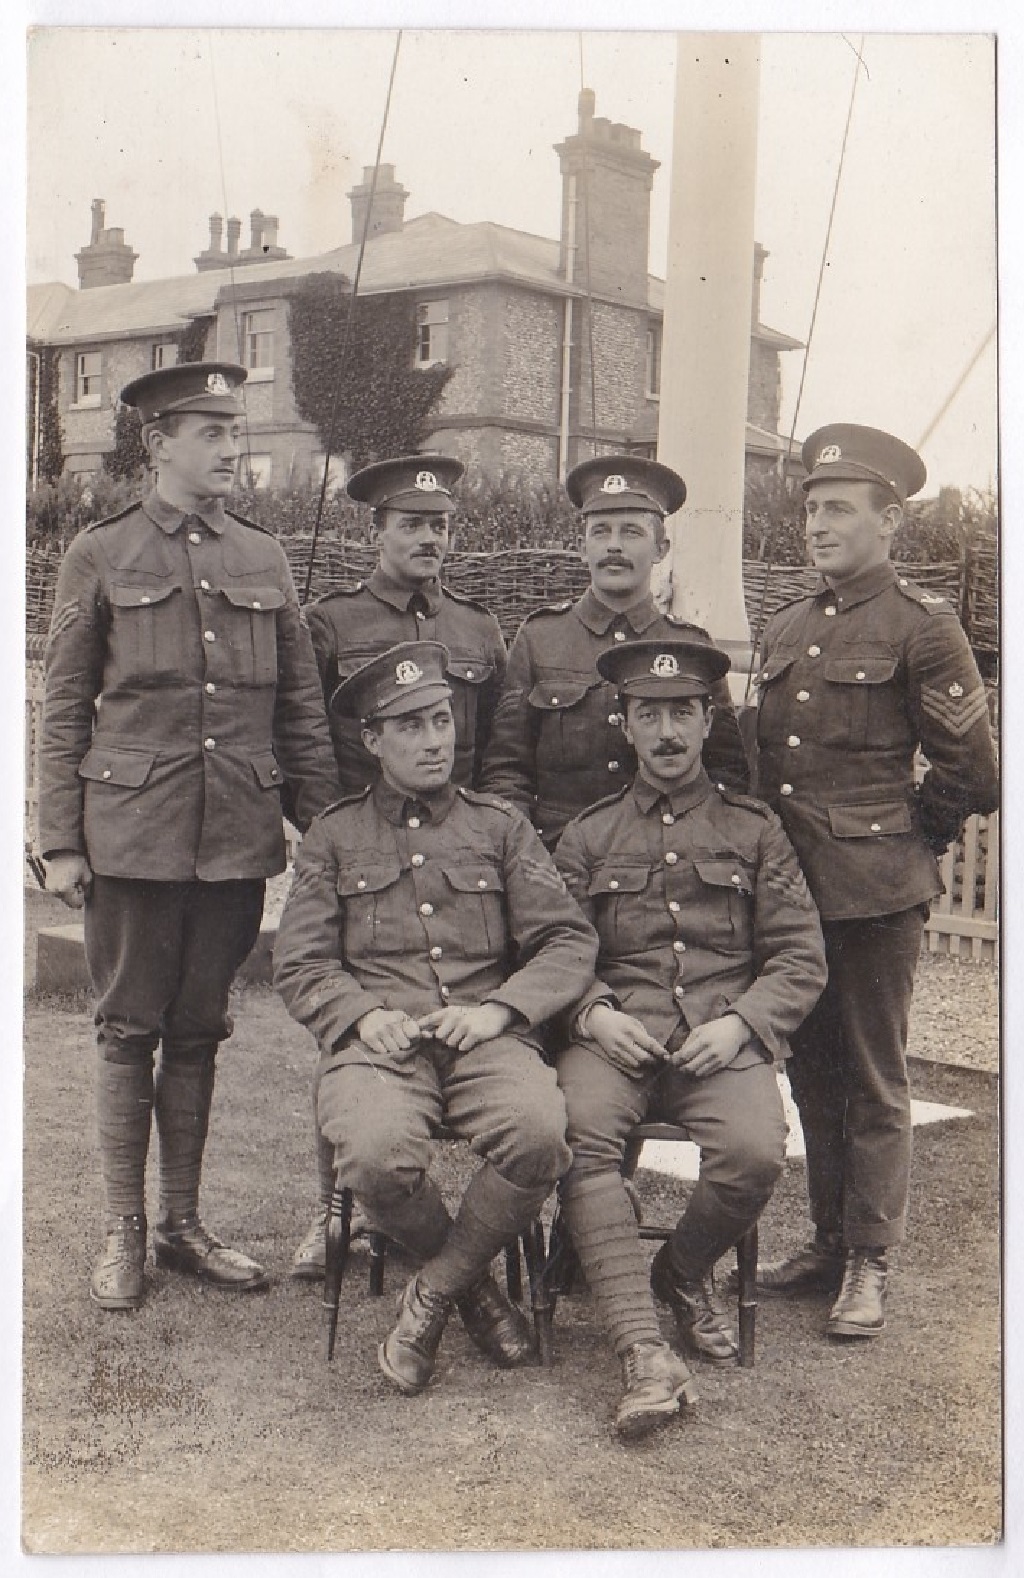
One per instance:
[(510, 910)]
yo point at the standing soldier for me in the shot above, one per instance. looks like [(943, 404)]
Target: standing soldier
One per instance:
[(403, 600), (556, 745), (181, 697), (856, 677)]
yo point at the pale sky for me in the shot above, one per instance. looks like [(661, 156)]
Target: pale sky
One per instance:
[(169, 126)]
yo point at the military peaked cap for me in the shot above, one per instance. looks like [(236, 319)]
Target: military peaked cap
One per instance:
[(656, 669), (209, 387), (625, 482), (843, 452), (403, 679), (420, 483)]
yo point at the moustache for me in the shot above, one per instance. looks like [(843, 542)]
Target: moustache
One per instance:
[(669, 750), (614, 561)]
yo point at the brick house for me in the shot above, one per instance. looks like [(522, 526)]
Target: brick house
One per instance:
[(508, 311)]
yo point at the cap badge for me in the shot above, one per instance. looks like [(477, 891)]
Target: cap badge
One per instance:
[(956, 690), (426, 482), (217, 384), (616, 483), (665, 666), (830, 453), (407, 673)]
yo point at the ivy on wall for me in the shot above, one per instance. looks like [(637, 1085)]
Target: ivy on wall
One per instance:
[(383, 401), (51, 434)]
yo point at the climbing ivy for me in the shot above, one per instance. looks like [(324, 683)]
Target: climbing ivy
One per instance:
[(192, 339), (383, 402), (51, 434)]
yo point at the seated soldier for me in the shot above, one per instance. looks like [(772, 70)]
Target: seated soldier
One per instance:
[(710, 955), (425, 940)]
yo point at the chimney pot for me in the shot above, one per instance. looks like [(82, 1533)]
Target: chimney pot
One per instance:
[(216, 232), (98, 211), (234, 231)]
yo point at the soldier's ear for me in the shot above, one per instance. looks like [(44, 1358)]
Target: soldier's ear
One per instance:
[(371, 737), (709, 717), (662, 542)]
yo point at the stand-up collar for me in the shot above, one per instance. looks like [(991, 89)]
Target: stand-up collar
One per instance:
[(859, 588), (684, 798), (397, 805), (169, 517), (599, 618), (387, 589)]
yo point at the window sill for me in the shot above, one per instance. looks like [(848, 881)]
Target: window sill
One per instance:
[(438, 361), (260, 375), (90, 403)]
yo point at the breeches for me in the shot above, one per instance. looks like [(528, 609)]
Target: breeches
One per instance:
[(499, 1096), (162, 956)]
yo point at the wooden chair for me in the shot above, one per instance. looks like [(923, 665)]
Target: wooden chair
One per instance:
[(746, 1248)]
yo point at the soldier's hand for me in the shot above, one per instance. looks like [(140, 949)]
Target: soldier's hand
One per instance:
[(69, 875), (623, 1040), (713, 1046), (388, 1031), (466, 1027)]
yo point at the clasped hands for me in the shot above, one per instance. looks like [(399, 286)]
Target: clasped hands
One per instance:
[(627, 1046), (391, 1032)]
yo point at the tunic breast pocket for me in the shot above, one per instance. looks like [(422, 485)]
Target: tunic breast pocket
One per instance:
[(469, 674), (568, 715), (249, 615), (478, 888), (624, 912), (726, 904), (146, 636), (864, 707), (372, 914)]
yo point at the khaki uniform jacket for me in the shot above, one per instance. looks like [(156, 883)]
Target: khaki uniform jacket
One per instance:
[(412, 903), (349, 628), (701, 910), (851, 683), (556, 746), (181, 696)]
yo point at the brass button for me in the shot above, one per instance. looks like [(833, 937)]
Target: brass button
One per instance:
[(209, 744), (680, 991), (830, 612), (679, 947), (481, 882), (445, 993), (195, 537), (814, 651), (420, 614), (671, 858), (861, 674), (613, 717), (210, 687), (673, 905), (736, 878), (361, 884), (145, 599), (620, 635), (205, 585), (469, 673), (876, 827), (435, 953), (256, 603), (793, 741), (554, 701), (274, 773), (613, 767), (426, 909), (668, 819), (613, 884), (417, 860), (209, 635), (785, 788), (106, 772), (803, 695), (413, 821)]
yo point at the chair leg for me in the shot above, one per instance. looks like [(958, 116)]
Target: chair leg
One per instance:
[(339, 1230), (378, 1253), (746, 1275), (514, 1272), (542, 1299), (562, 1268)]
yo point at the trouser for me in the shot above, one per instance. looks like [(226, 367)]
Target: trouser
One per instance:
[(161, 956), (735, 1117), (499, 1096), (848, 1074)]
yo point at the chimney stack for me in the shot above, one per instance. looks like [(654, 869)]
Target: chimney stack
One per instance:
[(388, 203), (107, 260), (234, 232), (606, 205)]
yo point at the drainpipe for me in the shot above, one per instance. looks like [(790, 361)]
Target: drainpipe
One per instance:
[(37, 358), (570, 270)]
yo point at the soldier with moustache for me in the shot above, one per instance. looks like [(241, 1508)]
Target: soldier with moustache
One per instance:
[(710, 956), (181, 698), (402, 600), (426, 939), (857, 677), (556, 745)]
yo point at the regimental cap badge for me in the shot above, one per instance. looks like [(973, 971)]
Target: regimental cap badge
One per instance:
[(665, 666), (421, 484), (956, 690), (407, 673), (616, 483), (830, 454), (217, 384), (426, 482)]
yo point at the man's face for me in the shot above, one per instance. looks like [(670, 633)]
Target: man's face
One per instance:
[(417, 750), (668, 734), (621, 548), (198, 460), (847, 531), (411, 546)]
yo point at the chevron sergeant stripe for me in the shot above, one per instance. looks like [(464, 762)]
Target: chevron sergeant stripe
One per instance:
[(956, 714), (546, 875), (63, 618)]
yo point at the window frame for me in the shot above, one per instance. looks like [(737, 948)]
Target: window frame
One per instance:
[(433, 319)]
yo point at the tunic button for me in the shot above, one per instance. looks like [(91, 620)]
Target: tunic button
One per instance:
[(554, 701), (861, 674), (620, 635), (680, 991), (902, 581), (445, 993), (210, 687), (794, 740), (195, 538), (209, 743), (361, 884), (205, 585), (435, 953), (736, 878), (426, 909), (613, 717), (830, 612), (668, 819), (106, 772), (673, 905), (803, 695), (145, 599), (814, 651), (256, 603), (417, 860), (469, 673), (413, 821), (481, 882), (420, 614), (209, 635), (613, 884), (613, 767), (785, 788), (876, 827), (671, 858), (679, 947)]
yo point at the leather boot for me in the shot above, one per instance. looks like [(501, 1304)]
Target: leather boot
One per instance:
[(118, 1279), (498, 1328), (702, 1325), (657, 1384), (188, 1245), (408, 1354), (859, 1311), (816, 1267)]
